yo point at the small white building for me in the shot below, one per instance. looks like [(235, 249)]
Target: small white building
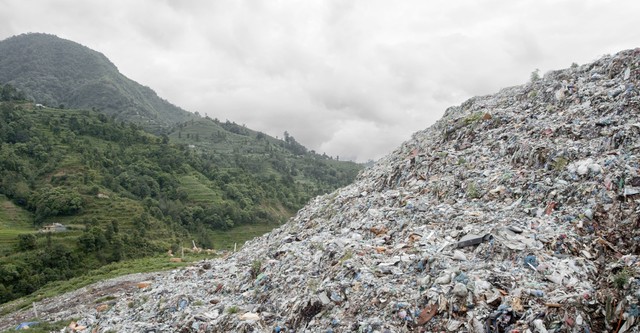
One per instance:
[(54, 227)]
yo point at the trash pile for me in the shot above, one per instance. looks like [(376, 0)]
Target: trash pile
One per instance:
[(516, 212)]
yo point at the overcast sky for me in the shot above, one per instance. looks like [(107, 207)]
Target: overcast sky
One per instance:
[(349, 78)]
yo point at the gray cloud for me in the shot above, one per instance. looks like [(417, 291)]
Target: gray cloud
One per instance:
[(349, 78)]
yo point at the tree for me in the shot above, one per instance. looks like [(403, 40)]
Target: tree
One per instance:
[(109, 233), (87, 242), (292, 145), (117, 249), (5, 294), (57, 201), (141, 223), (26, 242), (7, 92), (535, 75), (10, 93), (92, 240), (116, 226)]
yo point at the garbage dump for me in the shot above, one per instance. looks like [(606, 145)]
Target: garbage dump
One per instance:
[(515, 212)]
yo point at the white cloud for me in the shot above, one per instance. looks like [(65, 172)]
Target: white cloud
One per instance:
[(349, 78)]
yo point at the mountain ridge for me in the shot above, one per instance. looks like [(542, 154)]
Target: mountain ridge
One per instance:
[(59, 72)]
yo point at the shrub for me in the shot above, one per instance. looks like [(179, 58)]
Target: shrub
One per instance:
[(256, 267)]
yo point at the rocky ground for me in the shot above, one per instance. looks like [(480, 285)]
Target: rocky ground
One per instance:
[(516, 212)]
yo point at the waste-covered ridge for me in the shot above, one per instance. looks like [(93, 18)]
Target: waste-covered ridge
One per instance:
[(516, 212)]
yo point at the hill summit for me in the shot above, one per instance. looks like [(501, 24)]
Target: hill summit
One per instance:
[(516, 211), (58, 72)]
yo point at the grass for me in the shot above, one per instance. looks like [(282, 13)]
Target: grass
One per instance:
[(560, 163), (112, 208), (12, 216), (198, 191), (105, 299), (13, 222), (473, 118), (621, 278), (473, 191), (225, 240), (256, 266), (347, 255)]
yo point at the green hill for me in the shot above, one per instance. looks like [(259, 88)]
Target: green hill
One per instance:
[(233, 145), (58, 72), (88, 160), (124, 193)]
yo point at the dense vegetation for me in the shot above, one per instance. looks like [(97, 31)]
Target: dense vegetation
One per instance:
[(60, 73), (76, 148), (234, 145), (125, 193)]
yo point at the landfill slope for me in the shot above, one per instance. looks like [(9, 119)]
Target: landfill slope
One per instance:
[(516, 212)]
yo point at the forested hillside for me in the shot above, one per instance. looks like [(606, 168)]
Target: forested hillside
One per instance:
[(125, 193), (234, 145), (60, 73), (128, 174)]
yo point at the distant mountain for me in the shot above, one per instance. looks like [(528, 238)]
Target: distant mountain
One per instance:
[(58, 72)]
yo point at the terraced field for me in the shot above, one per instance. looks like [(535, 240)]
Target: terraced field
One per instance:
[(13, 221), (196, 186)]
